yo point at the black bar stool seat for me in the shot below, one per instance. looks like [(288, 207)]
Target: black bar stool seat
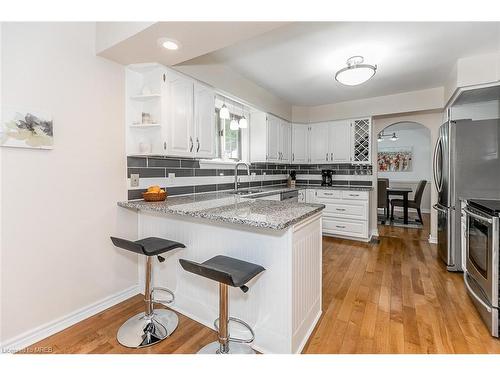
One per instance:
[(233, 272), (149, 246), (153, 325), (226, 270)]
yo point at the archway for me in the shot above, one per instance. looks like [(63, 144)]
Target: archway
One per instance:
[(404, 155), (432, 120)]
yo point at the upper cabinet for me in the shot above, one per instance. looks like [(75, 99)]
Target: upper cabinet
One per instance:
[(270, 138), (168, 113), (300, 143), (340, 141), (178, 107), (319, 142), (344, 141), (204, 121)]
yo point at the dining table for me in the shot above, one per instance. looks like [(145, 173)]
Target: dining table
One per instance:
[(403, 192)]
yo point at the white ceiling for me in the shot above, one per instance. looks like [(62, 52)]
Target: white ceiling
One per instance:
[(297, 62)]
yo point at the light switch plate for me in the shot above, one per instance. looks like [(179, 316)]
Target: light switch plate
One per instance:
[(134, 180)]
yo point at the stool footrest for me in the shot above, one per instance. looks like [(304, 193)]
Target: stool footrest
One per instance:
[(172, 299), (236, 339)]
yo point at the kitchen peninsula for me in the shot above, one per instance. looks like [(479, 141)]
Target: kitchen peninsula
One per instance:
[(283, 304)]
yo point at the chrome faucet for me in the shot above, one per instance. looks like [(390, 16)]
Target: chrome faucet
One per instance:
[(236, 172)]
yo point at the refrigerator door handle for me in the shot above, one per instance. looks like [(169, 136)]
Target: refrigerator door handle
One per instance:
[(437, 183)]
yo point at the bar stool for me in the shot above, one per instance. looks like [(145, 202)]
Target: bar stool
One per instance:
[(235, 273), (153, 325)]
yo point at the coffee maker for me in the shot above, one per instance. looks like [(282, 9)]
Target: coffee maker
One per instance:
[(326, 177)]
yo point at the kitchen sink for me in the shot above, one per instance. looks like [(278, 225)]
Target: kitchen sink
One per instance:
[(246, 191)]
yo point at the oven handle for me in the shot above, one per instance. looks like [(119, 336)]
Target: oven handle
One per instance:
[(479, 217), (479, 299)]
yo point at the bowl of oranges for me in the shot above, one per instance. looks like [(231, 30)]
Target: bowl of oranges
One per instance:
[(154, 194)]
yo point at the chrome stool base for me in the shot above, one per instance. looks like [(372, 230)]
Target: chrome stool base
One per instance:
[(234, 348), (140, 331)]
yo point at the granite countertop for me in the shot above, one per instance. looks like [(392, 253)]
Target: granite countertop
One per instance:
[(231, 208), (337, 187), (271, 190)]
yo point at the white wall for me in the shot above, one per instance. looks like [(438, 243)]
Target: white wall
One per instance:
[(59, 206)]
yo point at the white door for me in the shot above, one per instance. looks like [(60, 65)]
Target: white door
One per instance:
[(286, 142), (179, 99), (273, 138), (340, 141), (204, 121), (319, 149), (300, 143)]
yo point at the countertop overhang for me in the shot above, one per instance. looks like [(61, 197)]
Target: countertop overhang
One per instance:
[(231, 208)]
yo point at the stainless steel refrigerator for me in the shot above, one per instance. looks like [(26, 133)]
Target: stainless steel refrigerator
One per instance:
[(466, 166)]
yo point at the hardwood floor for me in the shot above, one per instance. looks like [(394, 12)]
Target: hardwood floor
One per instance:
[(393, 296)]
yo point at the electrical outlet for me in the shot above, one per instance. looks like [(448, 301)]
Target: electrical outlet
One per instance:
[(171, 175), (134, 180)]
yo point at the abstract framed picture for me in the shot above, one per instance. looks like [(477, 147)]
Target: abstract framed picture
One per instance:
[(26, 128), (395, 159)]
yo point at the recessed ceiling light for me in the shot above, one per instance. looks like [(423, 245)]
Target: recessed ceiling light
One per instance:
[(355, 73), (169, 44)]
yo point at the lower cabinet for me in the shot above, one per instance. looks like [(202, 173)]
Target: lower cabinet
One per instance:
[(346, 212)]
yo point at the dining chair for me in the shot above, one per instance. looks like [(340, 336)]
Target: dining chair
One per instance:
[(414, 203), (382, 197)]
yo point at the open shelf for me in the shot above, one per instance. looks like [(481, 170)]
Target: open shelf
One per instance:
[(145, 97), (145, 125)]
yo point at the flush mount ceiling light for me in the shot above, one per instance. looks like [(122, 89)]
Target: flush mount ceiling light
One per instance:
[(170, 44), (355, 73)]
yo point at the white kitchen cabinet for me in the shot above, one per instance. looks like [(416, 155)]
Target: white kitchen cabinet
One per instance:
[(319, 144), (346, 212), (300, 143), (273, 133), (342, 141), (285, 139), (339, 137), (178, 107), (204, 121), (273, 138)]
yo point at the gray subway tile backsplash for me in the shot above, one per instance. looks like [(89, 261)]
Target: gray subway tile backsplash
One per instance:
[(165, 163), (147, 172), (161, 166)]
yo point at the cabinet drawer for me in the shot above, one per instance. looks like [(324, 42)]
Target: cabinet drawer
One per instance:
[(354, 194), (328, 194), (344, 227), (351, 211)]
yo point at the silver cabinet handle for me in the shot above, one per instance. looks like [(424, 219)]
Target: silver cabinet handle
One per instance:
[(354, 195), (327, 193), (340, 209), (331, 156), (198, 142), (165, 145), (293, 156), (327, 156), (340, 226), (191, 140)]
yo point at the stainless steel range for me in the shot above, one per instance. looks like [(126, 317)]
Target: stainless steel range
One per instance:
[(481, 273)]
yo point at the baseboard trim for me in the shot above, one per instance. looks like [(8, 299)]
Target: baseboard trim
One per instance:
[(32, 336), (433, 239)]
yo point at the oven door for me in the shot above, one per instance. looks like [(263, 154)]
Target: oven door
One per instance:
[(482, 252)]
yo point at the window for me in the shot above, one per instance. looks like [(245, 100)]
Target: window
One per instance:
[(229, 141)]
